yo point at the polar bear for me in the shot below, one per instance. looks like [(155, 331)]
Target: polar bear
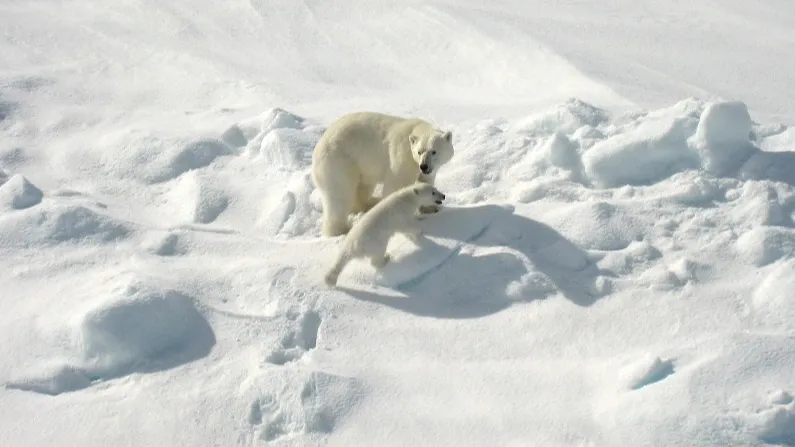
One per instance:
[(363, 149), (396, 213)]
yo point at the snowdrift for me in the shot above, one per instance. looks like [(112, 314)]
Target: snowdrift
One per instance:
[(596, 278)]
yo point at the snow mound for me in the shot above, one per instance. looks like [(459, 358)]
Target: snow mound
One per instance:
[(283, 141), (294, 211), (197, 198), (277, 118), (193, 155), (542, 155), (765, 245), (140, 326), (759, 203), (288, 149), (653, 150), (772, 303), (598, 225), (165, 244), (775, 166), (59, 223), (633, 259), (234, 137), (723, 137), (561, 151), (297, 406), (567, 117), (18, 193), (646, 371), (144, 156), (775, 424)]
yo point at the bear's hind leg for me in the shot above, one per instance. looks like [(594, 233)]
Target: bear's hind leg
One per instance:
[(337, 206), (337, 181), (335, 215), (364, 198)]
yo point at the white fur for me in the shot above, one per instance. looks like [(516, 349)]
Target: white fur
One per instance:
[(361, 150), (369, 236)]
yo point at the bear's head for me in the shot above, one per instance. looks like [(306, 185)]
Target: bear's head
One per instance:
[(428, 195), (431, 150)]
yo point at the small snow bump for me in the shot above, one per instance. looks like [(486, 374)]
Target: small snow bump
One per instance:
[(780, 397), (79, 222), (191, 156), (561, 151), (198, 198), (277, 118), (165, 245), (19, 193), (288, 149), (646, 371), (765, 245), (771, 302), (234, 137), (566, 117), (53, 381), (777, 425)]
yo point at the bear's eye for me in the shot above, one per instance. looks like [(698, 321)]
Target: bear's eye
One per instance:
[(433, 152)]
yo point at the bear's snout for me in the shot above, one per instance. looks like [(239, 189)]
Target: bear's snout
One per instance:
[(425, 168)]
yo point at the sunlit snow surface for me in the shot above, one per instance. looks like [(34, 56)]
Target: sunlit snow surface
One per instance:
[(614, 266)]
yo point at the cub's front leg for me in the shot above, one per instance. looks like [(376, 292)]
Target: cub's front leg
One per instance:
[(425, 211), (413, 232)]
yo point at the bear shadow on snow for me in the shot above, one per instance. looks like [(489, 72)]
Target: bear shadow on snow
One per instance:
[(485, 275)]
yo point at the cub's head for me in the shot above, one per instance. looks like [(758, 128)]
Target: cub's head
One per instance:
[(431, 149), (427, 194)]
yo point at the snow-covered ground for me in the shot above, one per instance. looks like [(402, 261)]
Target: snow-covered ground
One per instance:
[(615, 266)]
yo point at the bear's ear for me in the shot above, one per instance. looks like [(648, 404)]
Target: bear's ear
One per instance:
[(448, 136), (412, 139), (417, 191)]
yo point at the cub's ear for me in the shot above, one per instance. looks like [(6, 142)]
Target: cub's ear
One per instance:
[(412, 139), (417, 191), (448, 136)]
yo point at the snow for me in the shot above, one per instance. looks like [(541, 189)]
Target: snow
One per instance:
[(613, 264)]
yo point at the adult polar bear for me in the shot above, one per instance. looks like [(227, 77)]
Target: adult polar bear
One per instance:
[(361, 150)]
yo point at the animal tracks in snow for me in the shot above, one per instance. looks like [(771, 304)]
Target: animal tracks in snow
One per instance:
[(297, 342), (297, 406)]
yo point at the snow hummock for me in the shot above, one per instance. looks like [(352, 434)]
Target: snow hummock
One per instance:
[(18, 193), (613, 265)]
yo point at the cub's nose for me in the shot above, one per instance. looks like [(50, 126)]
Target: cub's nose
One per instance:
[(424, 168), (443, 196)]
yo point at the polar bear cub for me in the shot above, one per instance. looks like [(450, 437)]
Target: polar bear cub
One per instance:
[(369, 236), (364, 149)]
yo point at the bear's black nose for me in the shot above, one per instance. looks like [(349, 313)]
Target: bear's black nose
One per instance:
[(443, 196), (424, 168)]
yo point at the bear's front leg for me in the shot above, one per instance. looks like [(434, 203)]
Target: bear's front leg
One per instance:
[(380, 261)]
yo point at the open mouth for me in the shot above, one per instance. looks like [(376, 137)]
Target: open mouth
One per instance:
[(438, 202)]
